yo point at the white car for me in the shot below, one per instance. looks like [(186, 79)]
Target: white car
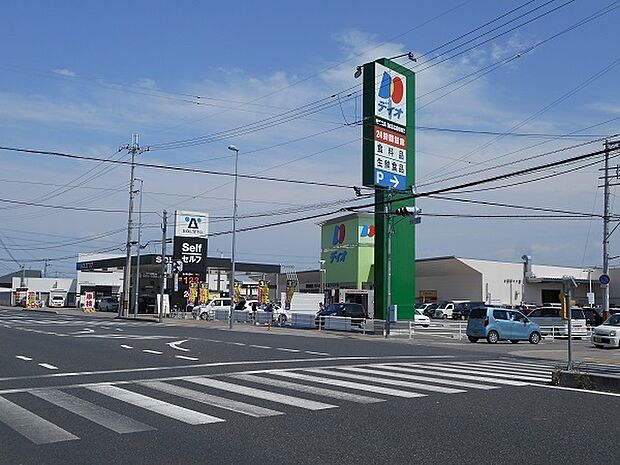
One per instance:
[(607, 334), (420, 319), (444, 311)]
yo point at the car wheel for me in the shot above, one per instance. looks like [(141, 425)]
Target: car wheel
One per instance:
[(514, 341), (492, 337), (281, 319), (445, 317), (204, 316), (472, 339), (534, 338)]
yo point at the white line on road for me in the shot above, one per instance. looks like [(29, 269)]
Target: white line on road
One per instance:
[(311, 352), (287, 350), (48, 366), (23, 357), (154, 405), (125, 346), (237, 343), (35, 428), (176, 344), (149, 351), (256, 346), (185, 357)]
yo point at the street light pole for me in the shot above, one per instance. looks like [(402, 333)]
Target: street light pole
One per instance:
[(231, 284)]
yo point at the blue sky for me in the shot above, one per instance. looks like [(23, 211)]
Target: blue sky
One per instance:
[(82, 76)]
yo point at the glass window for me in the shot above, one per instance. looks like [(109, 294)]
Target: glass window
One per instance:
[(536, 313), (551, 312), (478, 314), (500, 314)]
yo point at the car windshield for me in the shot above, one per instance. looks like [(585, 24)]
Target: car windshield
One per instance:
[(613, 320), (56, 297)]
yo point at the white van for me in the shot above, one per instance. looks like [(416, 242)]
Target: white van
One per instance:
[(550, 321), (57, 301), (444, 311)]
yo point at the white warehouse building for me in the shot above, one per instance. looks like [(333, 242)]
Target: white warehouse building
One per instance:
[(495, 282)]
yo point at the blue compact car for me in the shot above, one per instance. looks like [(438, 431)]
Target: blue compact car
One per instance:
[(497, 324)]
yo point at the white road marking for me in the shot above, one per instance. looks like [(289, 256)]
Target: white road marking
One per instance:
[(48, 366), (385, 371), (23, 357), (185, 357), (209, 399), (33, 427), (410, 368), (390, 382), (149, 351), (287, 350), (503, 369), (125, 346), (176, 344), (349, 384), (223, 364), (455, 369), (311, 352), (236, 343), (309, 389), (256, 346), (158, 406), (261, 394), (100, 415), (584, 391)]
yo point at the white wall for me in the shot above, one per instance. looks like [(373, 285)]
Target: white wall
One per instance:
[(493, 276), (46, 284), (100, 278), (466, 286)]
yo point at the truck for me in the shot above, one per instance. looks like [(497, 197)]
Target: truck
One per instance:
[(300, 303), (57, 298)]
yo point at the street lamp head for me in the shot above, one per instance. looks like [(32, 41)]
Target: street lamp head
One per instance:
[(233, 148), (358, 72)]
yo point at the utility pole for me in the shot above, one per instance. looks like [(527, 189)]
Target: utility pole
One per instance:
[(45, 265), (162, 282), (23, 279), (606, 234), (137, 282), (133, 148)]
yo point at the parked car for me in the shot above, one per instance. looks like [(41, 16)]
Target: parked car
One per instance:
[(429, 311), (593, 315), (419, 319), (607, 334), (496, 324), (461, 310), (207, 311), (57, 301), (109, 304), (444, 311), (354, 311), (549, 319)]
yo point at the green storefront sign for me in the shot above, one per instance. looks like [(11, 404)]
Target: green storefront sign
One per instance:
[(389, 166)]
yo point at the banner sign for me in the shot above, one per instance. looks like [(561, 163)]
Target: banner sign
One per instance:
[(388, 141), (189, 258)]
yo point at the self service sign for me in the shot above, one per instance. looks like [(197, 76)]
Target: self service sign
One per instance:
[(388, 147)]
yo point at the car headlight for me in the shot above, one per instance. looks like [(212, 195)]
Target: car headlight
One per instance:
[(612, 333)]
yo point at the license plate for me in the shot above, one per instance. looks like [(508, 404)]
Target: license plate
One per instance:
[(597, 339)]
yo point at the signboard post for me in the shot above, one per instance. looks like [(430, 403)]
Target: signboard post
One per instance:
[(389, 167), (189, 256)]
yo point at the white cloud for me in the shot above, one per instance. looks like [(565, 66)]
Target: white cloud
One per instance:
[(65, 72)]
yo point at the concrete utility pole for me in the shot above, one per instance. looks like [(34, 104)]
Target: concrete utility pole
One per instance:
[(45, 266), (388, 212), (137, 282), (162, 281), (134, 149), (606, 233), (231, 285)]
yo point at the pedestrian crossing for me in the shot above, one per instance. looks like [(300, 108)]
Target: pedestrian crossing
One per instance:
[(202, 401), (69, 322)]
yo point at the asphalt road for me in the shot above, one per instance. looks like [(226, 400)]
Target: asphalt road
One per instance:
[(83, 390)]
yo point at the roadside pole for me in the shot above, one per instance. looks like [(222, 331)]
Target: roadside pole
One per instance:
[(388, 212), (568, 282), (137, 282), (162, 281), (606, 233)]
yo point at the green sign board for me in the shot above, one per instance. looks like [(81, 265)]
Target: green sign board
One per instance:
[(389, 166)]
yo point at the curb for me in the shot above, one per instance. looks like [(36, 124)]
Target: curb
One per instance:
[(590, 381), (37, 310), (147, 320)]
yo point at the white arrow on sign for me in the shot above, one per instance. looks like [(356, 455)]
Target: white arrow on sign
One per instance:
[(394, 181)]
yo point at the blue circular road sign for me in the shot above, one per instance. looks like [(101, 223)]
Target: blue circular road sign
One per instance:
[(603, 279)]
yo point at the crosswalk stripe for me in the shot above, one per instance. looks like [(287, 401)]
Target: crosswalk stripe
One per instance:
[(158, 406), (504, 369), (481, 372), (422, 370), (100, 415), (388, 381), (309, 389), (33, 427), (502, 373), (518, 364), (209, 399), (261, 394), (348, 384), (386, 371)]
